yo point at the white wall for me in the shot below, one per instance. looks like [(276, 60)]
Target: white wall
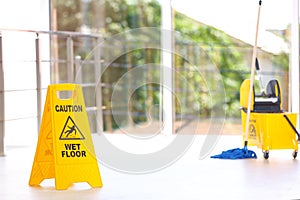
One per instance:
[(20, 67)]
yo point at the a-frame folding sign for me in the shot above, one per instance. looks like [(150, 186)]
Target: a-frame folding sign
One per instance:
[(65, 148)]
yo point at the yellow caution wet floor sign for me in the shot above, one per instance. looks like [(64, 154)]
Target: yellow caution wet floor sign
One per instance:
[(65, 148)]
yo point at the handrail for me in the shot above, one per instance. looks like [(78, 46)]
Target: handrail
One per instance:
[(73, 62), (68, 35), (60, 33)]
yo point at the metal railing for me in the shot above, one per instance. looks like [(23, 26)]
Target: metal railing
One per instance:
[(70, 69), (72, 64), (2, 102)]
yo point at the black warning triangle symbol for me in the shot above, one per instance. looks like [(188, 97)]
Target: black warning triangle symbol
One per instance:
[(71, 131)]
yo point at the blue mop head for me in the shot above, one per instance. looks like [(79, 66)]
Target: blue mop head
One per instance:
[(236, 154)]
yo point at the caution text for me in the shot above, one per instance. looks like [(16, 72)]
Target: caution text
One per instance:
[(73, 150), (68, 108)]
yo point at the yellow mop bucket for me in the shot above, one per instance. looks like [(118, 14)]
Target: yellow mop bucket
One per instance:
[(269, 127)]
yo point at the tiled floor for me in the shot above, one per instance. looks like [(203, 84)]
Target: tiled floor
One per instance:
[(188, 178)]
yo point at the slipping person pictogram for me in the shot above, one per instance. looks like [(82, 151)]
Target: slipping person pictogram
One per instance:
[(71, 131)]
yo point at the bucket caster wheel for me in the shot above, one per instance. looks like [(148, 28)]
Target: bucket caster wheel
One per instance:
[(266, 154), (295, 153)]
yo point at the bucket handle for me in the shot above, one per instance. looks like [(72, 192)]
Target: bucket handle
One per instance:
[(293, 127)]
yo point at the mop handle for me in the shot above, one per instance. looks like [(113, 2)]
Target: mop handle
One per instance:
[(252, 77)]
